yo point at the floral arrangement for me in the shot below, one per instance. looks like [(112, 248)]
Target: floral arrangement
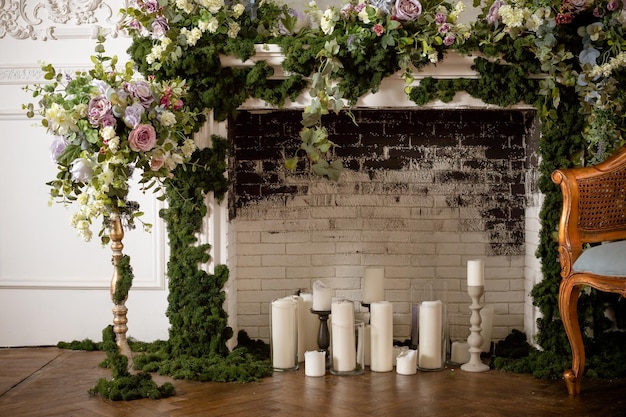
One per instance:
[(107, 123), (345, 51), (577, 44)]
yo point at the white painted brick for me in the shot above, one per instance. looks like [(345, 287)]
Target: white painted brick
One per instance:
[(383, 236), (349, 271), (493, 285), (261, 248), (505, 296), (347, 224), (309, 248), (248, 284), (259, 296), (336, 236), (349, 247), (310, 272), (383, 260), (284, 237), (333, 212), (252, 260), (289, 285), (337, 259), (460, 249), (248, 320), (285, 260), (249, 308), (249, 237), (403, 284), (262, 273)]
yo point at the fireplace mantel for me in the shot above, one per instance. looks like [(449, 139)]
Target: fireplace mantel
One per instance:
[(391, 92)]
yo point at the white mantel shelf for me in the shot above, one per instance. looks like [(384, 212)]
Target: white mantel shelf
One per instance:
[(391, 92)]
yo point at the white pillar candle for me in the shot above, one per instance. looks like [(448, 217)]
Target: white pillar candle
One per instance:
[(343, 347), (381, 345), (459, 352), (311, 322), (396, 351), (322, 296), (284, 333), (314, 363), (301, 318), (373, 284), (486, 315), (430, 335), (342, 312), (475, 273), (407, 362)]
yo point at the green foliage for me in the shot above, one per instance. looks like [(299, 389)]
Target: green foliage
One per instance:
[(85, 344), (196, 348), (125, 280), (124, 385)]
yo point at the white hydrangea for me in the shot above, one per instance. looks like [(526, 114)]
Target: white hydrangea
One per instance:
[(184, 5), (327, 23), (213, 6), (238, 10), (191, 36), (511, 17), (167, 118), (233, 29), (114, 144), (107, 133), (458, 9), (212, 25), (188, 147), (60, 121)]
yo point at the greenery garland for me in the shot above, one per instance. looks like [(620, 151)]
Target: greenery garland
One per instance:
[(196, 348)]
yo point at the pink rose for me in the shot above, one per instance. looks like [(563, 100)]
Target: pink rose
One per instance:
[(156, 163), (99, 109), (141, 91), (142, 138), (408, 9)]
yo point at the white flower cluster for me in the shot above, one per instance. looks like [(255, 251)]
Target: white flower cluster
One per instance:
[(606, 69)]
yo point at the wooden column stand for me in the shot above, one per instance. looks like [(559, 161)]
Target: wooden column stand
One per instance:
[(116, 232), (475, 340), (323, 337)]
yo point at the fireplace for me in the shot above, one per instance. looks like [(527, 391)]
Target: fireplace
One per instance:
[(424, 190)]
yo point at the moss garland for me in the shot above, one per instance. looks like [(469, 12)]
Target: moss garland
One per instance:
[(124, 385), (196, 348), (125, 280)]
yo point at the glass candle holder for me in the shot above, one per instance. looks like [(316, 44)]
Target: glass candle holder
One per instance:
[(348, 349)]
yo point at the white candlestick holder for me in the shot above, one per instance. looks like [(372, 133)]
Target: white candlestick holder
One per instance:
[(475, 340)]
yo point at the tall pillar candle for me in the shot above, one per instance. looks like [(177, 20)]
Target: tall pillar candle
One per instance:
[(322, 296), (343, 343), (430, 354), (373, 284), (301, 318), (381, 329), (475, 273), (311, 322), (284, 334)]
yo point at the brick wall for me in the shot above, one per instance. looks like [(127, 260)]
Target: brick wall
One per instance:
[(423, 192)]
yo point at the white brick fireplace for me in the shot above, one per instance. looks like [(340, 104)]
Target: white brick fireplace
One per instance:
[(330, 232)]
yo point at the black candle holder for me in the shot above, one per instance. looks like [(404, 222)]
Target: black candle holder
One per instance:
[(323, 336)]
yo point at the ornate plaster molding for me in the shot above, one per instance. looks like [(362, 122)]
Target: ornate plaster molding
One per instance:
[(58, 19)]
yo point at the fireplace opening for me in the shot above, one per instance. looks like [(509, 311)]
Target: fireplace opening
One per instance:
[(423, 191)]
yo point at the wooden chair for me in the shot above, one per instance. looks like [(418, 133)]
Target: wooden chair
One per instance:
[(594, 212)]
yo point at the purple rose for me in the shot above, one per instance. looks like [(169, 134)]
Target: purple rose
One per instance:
[(445, 28), (140, 90), (160, 27), (99, 108), (142, 138), (612, 5), (408, 9), (494, 16), (150, 6), (57, 147), (132, 115), (449, 39), (81, 169), (440, 18)]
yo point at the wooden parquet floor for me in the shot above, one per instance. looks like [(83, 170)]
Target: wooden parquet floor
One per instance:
[(52, 382)]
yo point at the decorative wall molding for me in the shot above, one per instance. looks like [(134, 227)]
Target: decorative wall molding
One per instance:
[(59, 19)]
